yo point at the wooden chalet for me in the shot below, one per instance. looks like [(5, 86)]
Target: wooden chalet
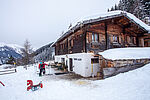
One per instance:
[(116, 29), (79, 47)]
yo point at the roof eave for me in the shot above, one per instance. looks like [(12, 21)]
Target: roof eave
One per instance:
[(136, 23), (85, 23)]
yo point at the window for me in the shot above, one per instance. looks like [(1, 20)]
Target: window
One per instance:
[(132, 40), (94, 37), (70, 43), (61, 46), (94, 60), (115, 38), (62, 60)]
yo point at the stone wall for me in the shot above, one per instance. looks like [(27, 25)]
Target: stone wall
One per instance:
[(114, 67)]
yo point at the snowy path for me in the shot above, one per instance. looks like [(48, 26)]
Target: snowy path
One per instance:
[(134, 85)]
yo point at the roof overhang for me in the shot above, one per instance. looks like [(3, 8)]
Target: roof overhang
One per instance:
[(81, 24)]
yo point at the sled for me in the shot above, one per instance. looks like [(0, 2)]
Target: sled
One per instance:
[(33, 87), (2, 83)]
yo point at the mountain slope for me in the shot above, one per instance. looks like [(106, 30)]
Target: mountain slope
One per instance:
[(44, 53), (7, 50)]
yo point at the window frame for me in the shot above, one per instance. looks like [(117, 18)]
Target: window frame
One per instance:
[(115, 38), (95, 37)]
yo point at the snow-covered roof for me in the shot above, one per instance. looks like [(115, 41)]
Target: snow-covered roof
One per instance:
[(118, 12), (126, 53), (105, 16)]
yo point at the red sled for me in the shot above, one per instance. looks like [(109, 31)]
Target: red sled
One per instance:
[(2, 83), (33, 87)]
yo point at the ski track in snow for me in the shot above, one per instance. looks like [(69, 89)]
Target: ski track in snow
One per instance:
[(133, 85)]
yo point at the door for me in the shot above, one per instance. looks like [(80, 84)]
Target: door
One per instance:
[(70, 64)]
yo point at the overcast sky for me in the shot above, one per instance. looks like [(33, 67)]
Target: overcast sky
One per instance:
[(42, 21)]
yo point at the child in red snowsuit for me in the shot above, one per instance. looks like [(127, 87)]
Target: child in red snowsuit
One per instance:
[(42, 68)]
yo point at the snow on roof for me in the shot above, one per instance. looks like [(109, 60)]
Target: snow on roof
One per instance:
[(104, 16), (126, 53), (118, 12), (138, 21)]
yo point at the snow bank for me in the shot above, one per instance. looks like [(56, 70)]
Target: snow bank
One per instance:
[(126, 53), (133, 85), (4, 66)]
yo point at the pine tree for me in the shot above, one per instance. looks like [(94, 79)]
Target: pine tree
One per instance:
[(116, 8), (124, 5), (146, 7), (130, 6), (112, 8), (120, 5), (140, 8), (108, 10)]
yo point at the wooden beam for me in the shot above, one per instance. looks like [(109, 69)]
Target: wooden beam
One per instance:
[(137, 41), (85, 28), (102, 65), (67, 46), (85, 41), (106, 36), (124, 31)]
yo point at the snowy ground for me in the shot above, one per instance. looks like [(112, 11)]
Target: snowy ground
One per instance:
[(133, 85)]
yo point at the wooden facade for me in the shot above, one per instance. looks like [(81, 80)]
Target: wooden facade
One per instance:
[(100, 35), (147, 40)]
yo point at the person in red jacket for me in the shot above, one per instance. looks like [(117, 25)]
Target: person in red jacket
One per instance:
[(42, 68)]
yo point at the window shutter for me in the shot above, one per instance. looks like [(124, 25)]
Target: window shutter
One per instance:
[(99, 37), (90, 37), (134, 40), (128, 39), (119, 39)]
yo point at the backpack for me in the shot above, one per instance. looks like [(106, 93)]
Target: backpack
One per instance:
[(41, 66)]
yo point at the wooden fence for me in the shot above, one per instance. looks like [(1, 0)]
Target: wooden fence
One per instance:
[(8, 71)]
